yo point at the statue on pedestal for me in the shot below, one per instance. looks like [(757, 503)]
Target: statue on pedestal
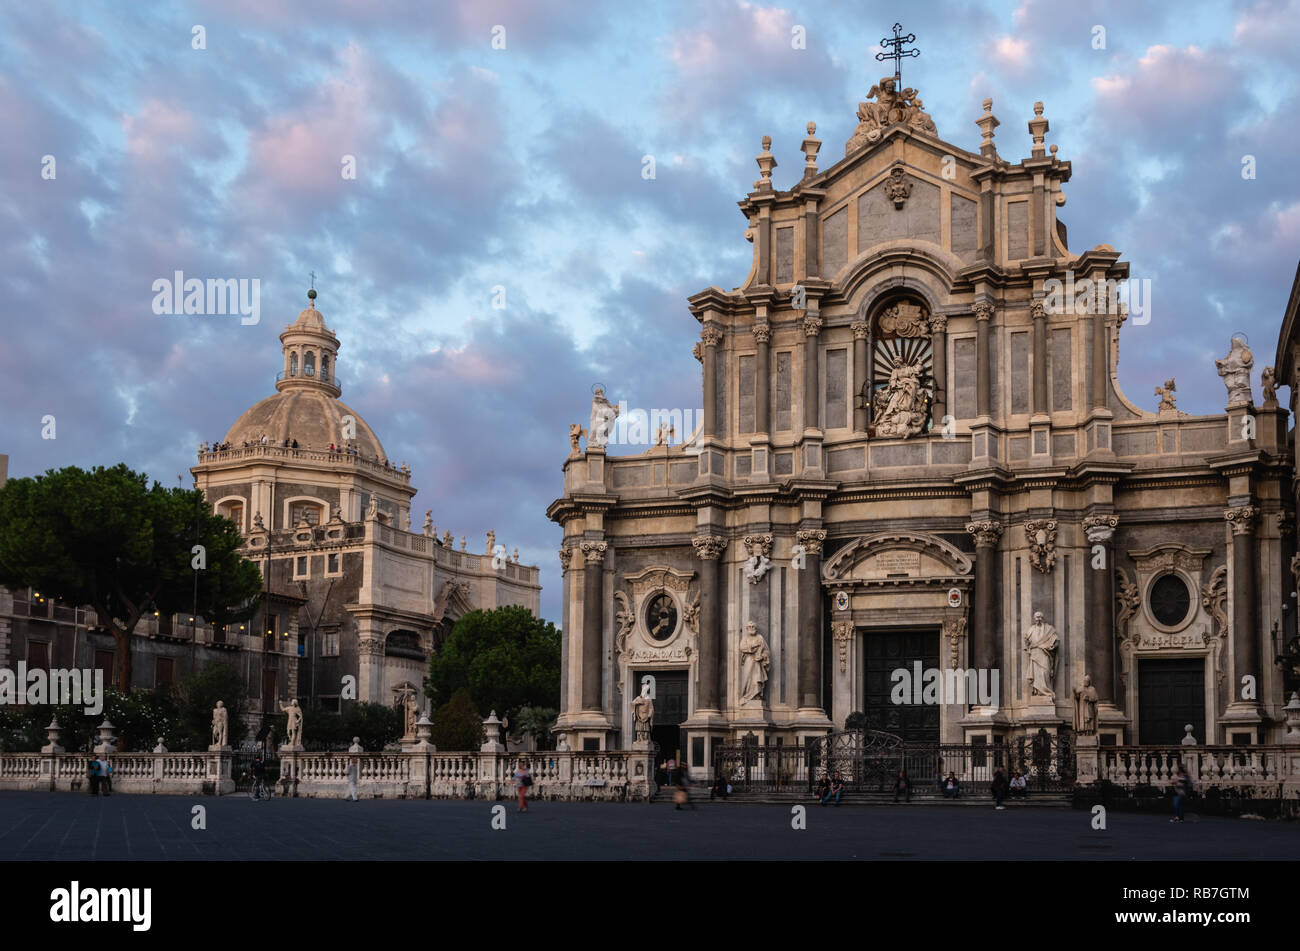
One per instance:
[(293, 728), (643, 714), (1235, 370), (603, 415), (220, 724), (1085, 708), (1041, 642), (755, 661)]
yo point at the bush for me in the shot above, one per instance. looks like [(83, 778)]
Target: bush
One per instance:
[(198, 694), (457, 726)]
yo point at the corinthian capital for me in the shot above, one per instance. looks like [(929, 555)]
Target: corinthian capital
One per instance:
[(861, 329), (812, 326), (811, 540), (709, 546), (1100, 528), (986, 532), (762, 332), (1037, 310), (566, 555), (983, 310), (711, 335), (594, 552), (938, 323), (1241, 518), (758, 545)]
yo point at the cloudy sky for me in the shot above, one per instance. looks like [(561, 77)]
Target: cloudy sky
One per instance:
[(521, 168)]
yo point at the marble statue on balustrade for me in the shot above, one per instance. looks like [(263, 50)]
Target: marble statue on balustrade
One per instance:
[(220, 727), (1041, 643), (755, 662), (410, 708), (1085, 708), (1235, 370), (293, 728), (643, 714), (603, 414)]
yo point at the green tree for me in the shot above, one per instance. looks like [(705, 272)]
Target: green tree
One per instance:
[(506, 658), (198, 694), (375, 723), (538, 722), (457, 725), (107, 539)]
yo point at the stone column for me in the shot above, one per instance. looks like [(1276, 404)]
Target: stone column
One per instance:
[(1040, 358), (566, 558), (1099, 596), (939, 349), (983, 316), (986, 639), (810, 619), (1245, 635), (812, 328), (708, 548), (861, 414), (711, 336), (370, 665), (762, 378), (593, 626)]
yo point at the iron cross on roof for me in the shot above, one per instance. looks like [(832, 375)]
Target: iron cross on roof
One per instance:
[(893, 49)]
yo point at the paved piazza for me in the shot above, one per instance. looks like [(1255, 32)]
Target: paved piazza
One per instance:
[(43, 827)]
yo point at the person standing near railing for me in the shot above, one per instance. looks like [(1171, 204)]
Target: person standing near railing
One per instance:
[(523, 779), (354, 770)]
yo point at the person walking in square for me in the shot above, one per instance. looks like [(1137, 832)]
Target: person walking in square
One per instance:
[(1182, 787), (106, 775), (354, 770), (92, 776), (523, 779)]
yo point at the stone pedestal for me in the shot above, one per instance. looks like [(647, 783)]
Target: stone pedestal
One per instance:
[(1087, 760), (219, 771), (1111, 721), (1241, 718), (52, 733), (1042, 714), (107, 739), (987, 723)]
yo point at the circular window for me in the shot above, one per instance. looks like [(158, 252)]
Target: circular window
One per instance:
[(661, 617), (1170, 600)]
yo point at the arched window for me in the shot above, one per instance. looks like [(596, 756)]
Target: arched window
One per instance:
[(902, 372), (293, 364), (324, 366), (309, 364)]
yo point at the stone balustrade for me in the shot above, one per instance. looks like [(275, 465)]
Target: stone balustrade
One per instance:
[(618, 775), (1263, 771)]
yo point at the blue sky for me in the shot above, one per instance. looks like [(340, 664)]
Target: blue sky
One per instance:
[(521, 167)]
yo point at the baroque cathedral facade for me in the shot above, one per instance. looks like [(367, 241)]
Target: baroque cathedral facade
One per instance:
[(915, 456)]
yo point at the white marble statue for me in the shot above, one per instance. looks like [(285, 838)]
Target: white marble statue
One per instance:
[(603, 414), (294, 727), (755, 661), (1041, 642), (756, 566), (1235, 370), (643, 714), (220, 724), (410, 709)]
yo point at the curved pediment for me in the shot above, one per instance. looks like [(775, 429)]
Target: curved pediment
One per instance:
[(893, 556)]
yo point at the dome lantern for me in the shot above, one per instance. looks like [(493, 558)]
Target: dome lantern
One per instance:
[(310, 352)]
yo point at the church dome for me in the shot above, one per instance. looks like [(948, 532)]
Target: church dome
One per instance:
[(309, 415), (310, 319)]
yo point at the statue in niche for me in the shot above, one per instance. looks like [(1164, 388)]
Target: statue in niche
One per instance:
[(755, 662), (603, 414), (1041, 642), (1235, 370), (904, 405)]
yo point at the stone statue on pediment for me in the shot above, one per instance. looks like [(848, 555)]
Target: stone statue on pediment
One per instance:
[(891, 105), (603, 414), (1235, 370)]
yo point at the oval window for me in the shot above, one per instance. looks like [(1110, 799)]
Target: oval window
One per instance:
[(1170, 600)]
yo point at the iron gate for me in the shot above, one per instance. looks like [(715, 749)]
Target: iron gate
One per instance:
[(871, 760)]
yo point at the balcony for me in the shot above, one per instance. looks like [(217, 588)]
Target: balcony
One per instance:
[(327, 378)]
